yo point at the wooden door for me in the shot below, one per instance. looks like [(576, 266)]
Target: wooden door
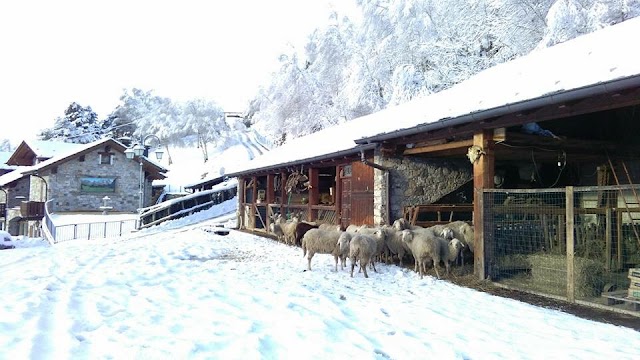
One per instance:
[(345, 202)]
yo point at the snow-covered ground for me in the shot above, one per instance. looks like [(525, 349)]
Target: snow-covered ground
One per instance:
[(179, 291)]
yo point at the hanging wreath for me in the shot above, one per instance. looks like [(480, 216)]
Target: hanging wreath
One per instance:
[(297, 182)]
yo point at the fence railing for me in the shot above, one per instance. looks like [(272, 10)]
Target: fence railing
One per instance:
[(189, 204), (84, 231), (578, 244)]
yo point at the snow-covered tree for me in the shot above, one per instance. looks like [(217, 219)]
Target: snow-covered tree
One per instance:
[(5, 145), (135, 104), (206, 119), (79, 125), (568, 19), (404, 49)]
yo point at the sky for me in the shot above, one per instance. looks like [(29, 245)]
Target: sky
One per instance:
[(179, 291), (55, 53)]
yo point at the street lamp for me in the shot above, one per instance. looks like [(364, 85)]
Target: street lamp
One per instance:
[(139, 150)]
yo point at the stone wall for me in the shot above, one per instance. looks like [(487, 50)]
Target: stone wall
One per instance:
[(64, 184), (415, 181)]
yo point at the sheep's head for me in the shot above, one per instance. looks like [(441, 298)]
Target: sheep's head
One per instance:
[(447, 233), (456, 245), (380, 234), (407, 236), (400, 224), (343, 241)]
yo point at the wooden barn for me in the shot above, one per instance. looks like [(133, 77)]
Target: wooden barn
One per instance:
[(541, 154), (336, 188)]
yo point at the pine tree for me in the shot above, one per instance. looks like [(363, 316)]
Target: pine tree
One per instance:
[(79, 125)]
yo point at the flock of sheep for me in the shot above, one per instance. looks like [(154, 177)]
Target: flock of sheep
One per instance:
[(364, 245)]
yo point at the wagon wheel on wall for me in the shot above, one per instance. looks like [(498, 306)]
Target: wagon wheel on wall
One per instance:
[(297, 183)]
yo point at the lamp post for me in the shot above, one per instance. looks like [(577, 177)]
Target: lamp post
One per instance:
[(139, 150)]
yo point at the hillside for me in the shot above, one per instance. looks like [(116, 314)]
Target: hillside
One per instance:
[(189, 167)]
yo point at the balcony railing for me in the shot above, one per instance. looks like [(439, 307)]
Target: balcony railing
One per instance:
[(32, 210)]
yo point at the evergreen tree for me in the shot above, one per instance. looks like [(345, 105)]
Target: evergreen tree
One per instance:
[(5, 145), (79, 125)]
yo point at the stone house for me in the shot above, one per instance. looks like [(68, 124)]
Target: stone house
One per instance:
[(73, 178)]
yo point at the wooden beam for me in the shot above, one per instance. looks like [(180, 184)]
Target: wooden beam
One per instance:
[(241, 200), (438, 147), (571, 285), (587, 105), (314, 193), (483, 172)]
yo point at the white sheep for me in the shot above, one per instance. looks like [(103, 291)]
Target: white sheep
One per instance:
[(379, 236), (289, 229), (352, 228), (463, 232), (403, 224), (394, 244), (362, 248), (327, 226), (276, 226), (449, 251), (425, 246), (318, 241)]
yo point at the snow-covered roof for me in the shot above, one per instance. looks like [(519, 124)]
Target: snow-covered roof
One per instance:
[(48, 149), (85, 147), (596, 58), (16, 174), (4, 156), (70, 151)]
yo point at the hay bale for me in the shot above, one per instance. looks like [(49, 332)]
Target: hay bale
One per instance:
[(513, 262), (551, 271)]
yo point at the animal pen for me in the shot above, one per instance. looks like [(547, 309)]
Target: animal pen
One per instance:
[(579, 244)]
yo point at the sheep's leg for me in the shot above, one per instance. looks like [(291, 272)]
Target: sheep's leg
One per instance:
[(364, 269), (373, 264), (353, 265), (435, 266), (309, 260)]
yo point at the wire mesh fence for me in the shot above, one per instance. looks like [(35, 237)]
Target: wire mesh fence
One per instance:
[(586, 250)]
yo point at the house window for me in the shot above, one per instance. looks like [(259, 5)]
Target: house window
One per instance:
[(81, 158), (105, 158), (346, 171), (97, 184), (54, 170)]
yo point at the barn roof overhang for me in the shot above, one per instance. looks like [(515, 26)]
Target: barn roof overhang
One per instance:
[(330, 159), (592, 98)]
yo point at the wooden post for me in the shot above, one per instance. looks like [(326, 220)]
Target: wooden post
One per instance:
[(571, 286), (337, 196), (608, 238), (241, 200), (314, 193), (269, 199), (483, 172), (254, 197), (283, 191), (619, 235)]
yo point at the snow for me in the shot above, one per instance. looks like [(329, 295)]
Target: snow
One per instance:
[(594, 58), (178, 290)]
